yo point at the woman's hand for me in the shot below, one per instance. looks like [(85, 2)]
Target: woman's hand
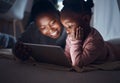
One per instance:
[(22, 51), (76, 33)]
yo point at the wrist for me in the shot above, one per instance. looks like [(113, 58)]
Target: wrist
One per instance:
[(76, 42)]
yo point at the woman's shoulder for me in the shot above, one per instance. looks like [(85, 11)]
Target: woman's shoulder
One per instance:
[(31, 29), (31, 26)]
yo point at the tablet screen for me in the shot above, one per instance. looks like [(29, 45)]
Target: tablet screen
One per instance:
[(49, 54)]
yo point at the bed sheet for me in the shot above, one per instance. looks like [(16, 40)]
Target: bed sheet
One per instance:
[(12, 71)]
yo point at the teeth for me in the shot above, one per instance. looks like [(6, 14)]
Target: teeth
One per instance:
[(53, 34)]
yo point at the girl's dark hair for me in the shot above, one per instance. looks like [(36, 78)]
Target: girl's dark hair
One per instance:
[(78, 5)]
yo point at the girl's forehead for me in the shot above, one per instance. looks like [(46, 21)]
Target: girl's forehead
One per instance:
[(70, 18), (70, 15)]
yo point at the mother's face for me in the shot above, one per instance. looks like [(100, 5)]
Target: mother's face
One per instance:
[(49, 24)]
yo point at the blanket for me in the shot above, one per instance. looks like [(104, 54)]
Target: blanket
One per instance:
[(107, 66)]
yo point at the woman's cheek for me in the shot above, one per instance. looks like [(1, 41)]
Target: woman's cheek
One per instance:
[(44, 32)]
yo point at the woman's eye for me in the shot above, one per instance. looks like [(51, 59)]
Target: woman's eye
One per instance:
[(42, 27), (53, 22)]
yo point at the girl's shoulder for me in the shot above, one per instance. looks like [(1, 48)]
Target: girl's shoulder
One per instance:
[(95, 35), (94, 32)]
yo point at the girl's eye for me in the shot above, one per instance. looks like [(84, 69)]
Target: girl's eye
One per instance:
[(71, 26)]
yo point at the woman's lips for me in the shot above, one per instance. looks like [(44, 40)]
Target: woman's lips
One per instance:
[(55, 34)]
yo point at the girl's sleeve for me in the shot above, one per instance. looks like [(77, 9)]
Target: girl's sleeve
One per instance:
[(85, 55), (67, 50)]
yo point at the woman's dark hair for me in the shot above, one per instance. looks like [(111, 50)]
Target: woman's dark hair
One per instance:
[(78, 5), (40, 7)]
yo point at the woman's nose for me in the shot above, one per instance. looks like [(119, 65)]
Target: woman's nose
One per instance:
[(49, 30)]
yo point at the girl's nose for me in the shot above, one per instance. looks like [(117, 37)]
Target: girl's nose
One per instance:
[(68, 31)]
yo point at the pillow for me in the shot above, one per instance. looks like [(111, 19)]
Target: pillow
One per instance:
[(115, 41), (7, 41)]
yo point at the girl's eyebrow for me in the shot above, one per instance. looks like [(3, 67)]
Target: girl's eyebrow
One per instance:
[(66, 21), (70, 22)]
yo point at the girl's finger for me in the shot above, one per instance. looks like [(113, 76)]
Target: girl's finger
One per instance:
[(73, 34), (77, 33)]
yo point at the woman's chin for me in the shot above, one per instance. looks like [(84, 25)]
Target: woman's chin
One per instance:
[(54, 37)]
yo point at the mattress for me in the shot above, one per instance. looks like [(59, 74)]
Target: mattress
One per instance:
[(12, 71)]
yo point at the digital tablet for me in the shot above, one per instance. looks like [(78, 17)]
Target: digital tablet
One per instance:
[(49, 54)]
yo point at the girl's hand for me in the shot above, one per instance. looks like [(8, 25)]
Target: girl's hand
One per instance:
[(76, 34)]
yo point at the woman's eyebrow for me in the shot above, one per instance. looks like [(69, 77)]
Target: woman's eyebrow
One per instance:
[(52, 21)]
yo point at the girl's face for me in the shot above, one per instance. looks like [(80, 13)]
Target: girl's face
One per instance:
[(49, 24), (74, 21), (70, 24)]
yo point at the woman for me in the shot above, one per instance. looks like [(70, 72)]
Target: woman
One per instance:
[(46, 28)]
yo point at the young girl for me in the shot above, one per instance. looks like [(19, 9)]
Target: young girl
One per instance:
[(84, 44)]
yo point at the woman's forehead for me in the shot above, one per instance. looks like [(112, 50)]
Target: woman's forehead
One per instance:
[(44, 20), (48, 14), (46, 17)]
